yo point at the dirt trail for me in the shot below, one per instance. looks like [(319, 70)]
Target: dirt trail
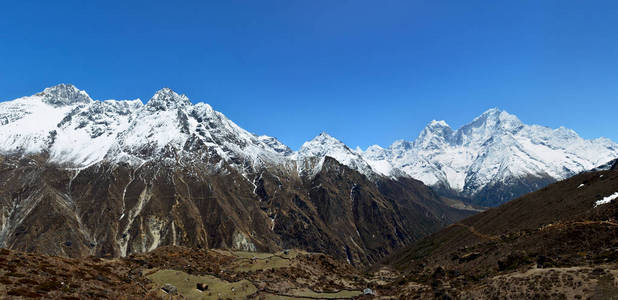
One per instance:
[(478, 234)]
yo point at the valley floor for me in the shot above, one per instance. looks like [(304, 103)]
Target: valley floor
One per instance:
[(183, 273)]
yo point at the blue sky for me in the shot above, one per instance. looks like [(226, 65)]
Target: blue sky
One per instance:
[(367, 72)]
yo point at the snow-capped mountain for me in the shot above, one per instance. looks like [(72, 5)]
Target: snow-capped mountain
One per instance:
[(111, 178), (76, 131), (115, 177), (494, 158)]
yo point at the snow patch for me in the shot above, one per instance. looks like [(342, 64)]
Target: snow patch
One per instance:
[(607, 199)]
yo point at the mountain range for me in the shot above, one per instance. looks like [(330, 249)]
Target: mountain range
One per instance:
[(111, 178), (491, 160), (116, 177)]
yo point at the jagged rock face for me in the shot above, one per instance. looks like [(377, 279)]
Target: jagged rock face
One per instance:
[(117, 209), (64, 94), (493, 159)]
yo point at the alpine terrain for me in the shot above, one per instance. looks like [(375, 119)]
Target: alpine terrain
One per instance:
[(111, 178)]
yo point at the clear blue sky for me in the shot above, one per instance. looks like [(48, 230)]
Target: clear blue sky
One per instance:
[(367, 72)]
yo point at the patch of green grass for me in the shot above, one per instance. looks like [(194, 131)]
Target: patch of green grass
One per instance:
[(217, 288)]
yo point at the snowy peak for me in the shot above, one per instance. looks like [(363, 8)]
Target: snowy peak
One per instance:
[(64, 94), (491, 122), (401, 145), (325, 145), (437, 127), (275, 145), (166, 99), (435, 135), (321, 145), (495, 119), (374, 152), (439, 124)]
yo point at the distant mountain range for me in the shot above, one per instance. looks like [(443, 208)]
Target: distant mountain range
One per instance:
[(493, 159)]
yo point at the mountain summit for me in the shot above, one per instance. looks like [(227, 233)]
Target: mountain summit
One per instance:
[(166, 99), (324, 145), (64, 94)]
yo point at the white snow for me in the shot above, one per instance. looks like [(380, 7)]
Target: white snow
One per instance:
[(607, 199)]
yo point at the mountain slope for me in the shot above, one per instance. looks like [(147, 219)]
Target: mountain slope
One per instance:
[(562, 227), (493, 159)]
